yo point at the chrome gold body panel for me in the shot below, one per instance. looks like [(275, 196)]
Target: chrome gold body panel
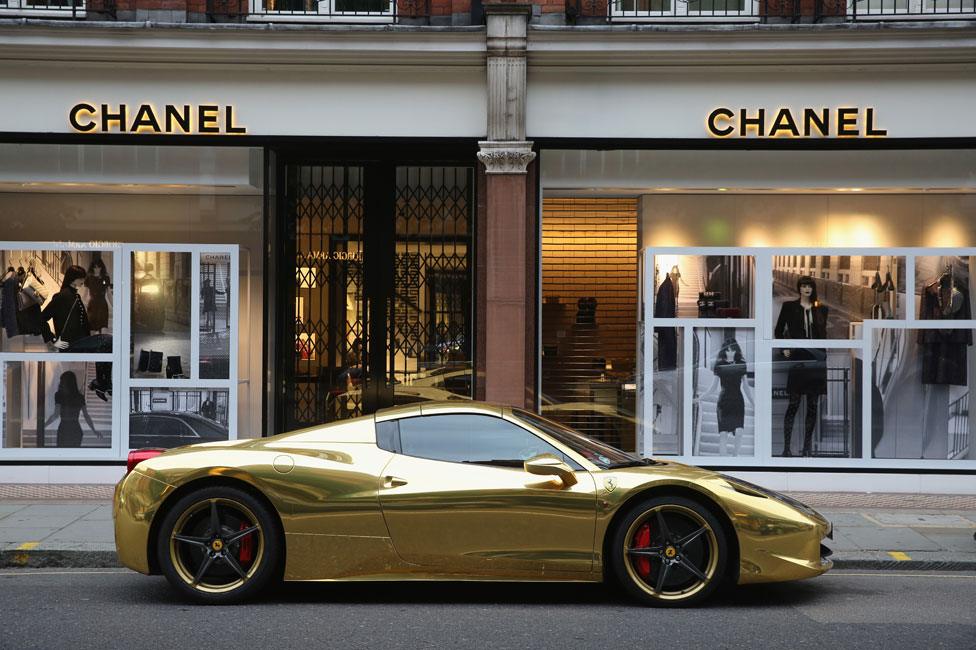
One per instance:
[(352, 511)]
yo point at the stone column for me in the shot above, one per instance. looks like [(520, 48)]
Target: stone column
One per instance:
[(510, 241)]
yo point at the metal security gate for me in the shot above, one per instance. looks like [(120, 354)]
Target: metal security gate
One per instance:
[(375, 285)]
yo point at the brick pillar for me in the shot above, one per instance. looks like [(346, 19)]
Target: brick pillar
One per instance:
[(509, 250)]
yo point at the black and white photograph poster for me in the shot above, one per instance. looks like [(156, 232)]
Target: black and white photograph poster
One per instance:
[(724, 383)]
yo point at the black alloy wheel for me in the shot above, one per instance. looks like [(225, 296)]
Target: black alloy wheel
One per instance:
[(219, 545), (669, 551)]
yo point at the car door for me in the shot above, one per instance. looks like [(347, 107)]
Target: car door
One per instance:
[(455, 496)]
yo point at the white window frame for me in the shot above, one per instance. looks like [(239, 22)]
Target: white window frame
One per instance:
[(914, 10), (762, 321), (679, 12), (257, 13), (22, 8), (121, 336)]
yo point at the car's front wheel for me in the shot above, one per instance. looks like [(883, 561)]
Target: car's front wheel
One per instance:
[(669, 551), (219, 545)]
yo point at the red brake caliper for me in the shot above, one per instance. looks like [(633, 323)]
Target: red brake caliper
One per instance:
[(246, 554), (642, 540)]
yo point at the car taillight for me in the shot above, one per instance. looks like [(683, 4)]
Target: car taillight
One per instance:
[(136, 456)]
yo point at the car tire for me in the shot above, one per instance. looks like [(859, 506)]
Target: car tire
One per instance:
[(668, 551), (231, 564)]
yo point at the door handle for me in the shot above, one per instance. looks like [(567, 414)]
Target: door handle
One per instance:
[(393, 482)]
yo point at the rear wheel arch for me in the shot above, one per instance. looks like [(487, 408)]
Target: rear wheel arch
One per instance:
[(197, 484), (731, 566)]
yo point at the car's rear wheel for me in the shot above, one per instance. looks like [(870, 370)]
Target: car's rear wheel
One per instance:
[(669, 551), (219, 545)]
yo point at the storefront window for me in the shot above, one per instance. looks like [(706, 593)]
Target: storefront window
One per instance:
[(799, 309), (589, 321), (163, 235)]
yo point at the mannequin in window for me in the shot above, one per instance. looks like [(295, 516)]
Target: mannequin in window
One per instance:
[(729, 369), (803, 318), (665, 306)]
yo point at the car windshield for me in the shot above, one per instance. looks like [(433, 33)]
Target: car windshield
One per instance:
[(598, 453)]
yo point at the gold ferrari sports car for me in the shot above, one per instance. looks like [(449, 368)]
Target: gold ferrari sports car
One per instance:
[(452, 491)]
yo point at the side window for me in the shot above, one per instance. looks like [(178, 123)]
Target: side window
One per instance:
[(386, 435), (481, 439)]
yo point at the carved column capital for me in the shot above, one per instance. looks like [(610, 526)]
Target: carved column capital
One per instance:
[(505, 157)]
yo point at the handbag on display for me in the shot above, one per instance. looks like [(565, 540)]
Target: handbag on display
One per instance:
[(143, 364), (28, 296), (155, 361), (174, 368)]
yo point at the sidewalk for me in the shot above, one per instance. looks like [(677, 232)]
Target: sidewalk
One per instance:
[(71, 526)]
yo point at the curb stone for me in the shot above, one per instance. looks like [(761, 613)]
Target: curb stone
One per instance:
[(59, 559), (905, 565)]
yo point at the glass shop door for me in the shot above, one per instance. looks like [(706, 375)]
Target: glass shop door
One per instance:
[(376, 289)]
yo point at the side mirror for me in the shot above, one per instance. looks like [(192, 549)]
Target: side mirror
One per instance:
[(549, 465)]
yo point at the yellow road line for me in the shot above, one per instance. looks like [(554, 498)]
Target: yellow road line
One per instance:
[(900, 556), (23, 558)]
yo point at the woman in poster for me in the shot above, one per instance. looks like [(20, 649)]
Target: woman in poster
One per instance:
[(69, 405), (72, 328), (803, 318), (730, 368)]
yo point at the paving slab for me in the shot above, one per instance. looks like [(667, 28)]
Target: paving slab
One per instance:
[(890, 539), (19, 520), (57, 509), (841, 542), (848, 519), (24, 534), (101, 513), (951, 540), (919, 520), (8, 509), (82, 531)]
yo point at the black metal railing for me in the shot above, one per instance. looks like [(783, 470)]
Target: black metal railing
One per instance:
[(349, 11), (703, 10), (959, 428), (73, 9), (787, 10), (911, 9)]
